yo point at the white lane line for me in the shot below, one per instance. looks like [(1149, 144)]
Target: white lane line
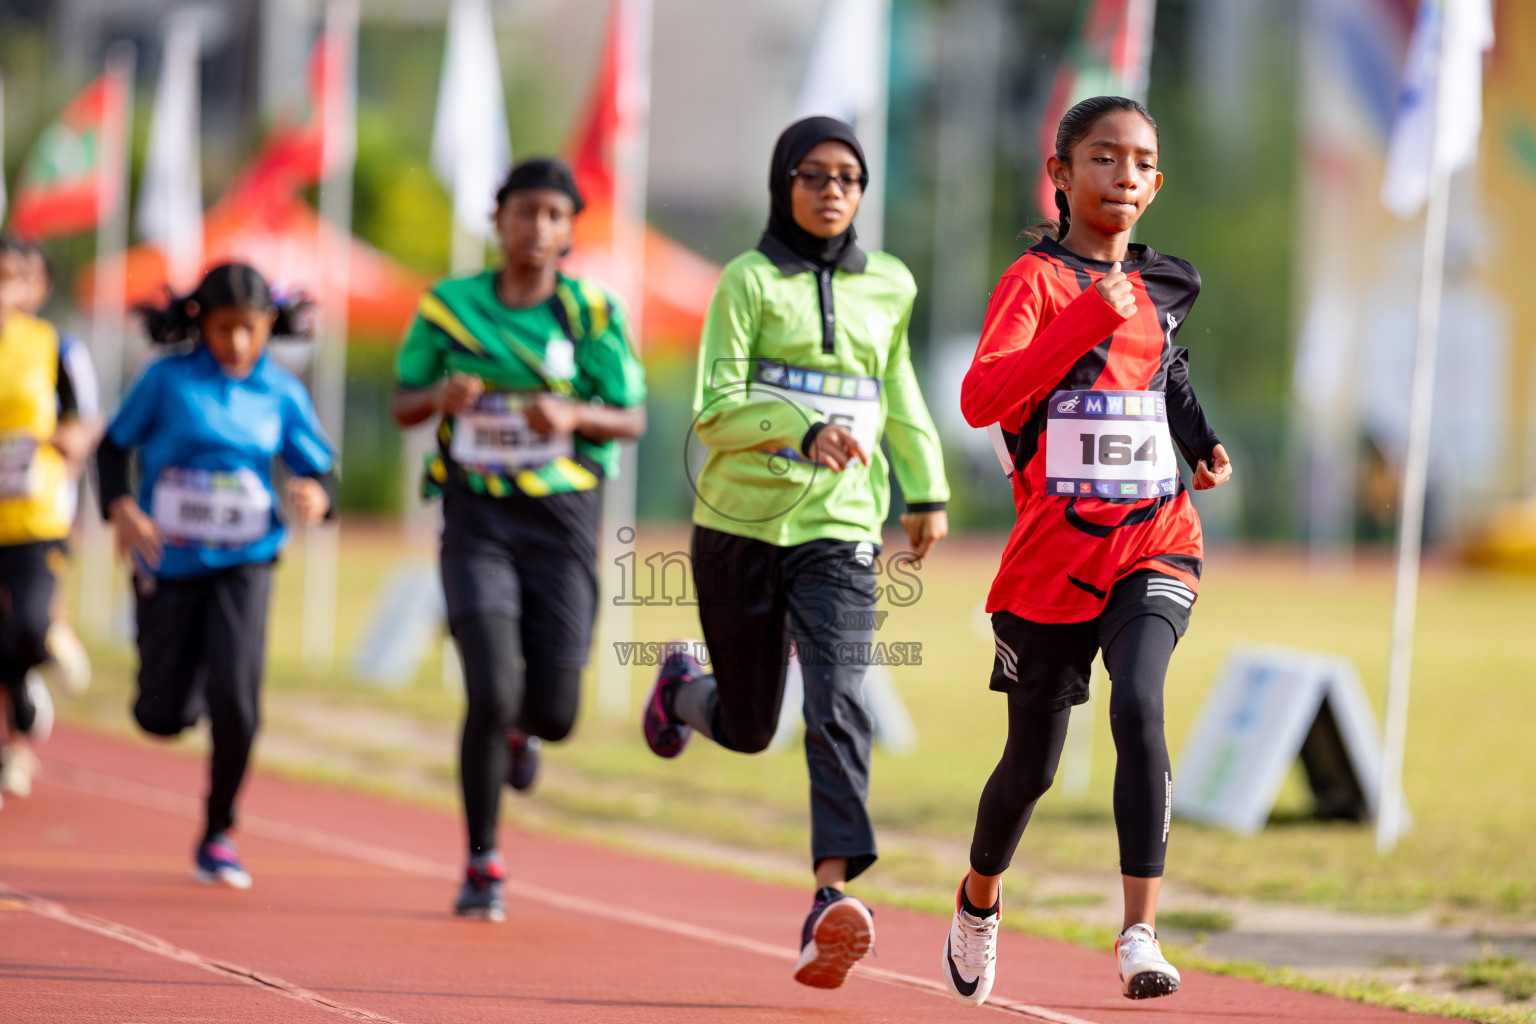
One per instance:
[(154, 944), (89, 781)]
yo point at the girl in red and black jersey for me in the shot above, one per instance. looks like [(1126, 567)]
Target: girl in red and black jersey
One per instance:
[(1085, 394)]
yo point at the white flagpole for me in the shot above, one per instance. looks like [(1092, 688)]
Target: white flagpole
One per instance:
[(108, 321), (2, 150), (616, 622), (170, 208), (339, 151), (1389, 816)]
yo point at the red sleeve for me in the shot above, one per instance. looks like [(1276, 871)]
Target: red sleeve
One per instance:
[(1013, 362)]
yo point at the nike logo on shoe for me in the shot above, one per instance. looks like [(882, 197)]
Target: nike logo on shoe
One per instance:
[(965, 988)]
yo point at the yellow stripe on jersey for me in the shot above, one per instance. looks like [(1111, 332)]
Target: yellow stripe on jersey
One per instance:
[(437, 313)]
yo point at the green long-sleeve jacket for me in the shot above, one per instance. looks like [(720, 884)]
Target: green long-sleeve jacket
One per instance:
[(785, 346)]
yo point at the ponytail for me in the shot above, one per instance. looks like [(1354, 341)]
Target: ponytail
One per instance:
[(229, 285), (1073, 128)]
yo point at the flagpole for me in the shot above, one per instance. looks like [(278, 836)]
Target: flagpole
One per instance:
[(338, 149), (873, 134), (108, 320), (616, 623), (1389, 816)]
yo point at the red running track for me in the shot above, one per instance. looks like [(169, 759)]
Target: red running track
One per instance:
[(349, 920)]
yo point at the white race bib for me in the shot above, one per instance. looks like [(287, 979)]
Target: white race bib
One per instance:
[(496, 435), (208, 507), (18, 465), (845, 400), (1109, 444)]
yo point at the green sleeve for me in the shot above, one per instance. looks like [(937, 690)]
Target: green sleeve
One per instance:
[(914, 443), (607, 365), (423, 355), (727, 418)]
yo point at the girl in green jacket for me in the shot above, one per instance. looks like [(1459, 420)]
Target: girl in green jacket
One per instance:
[(803, 367)]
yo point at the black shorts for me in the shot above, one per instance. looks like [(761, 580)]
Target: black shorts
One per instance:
[(1047, 664), (532, 559)]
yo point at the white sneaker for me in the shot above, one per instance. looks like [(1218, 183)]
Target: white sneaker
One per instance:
[(69, 667), (1144, 973), (970, 954), (42, 701), (18, 771)]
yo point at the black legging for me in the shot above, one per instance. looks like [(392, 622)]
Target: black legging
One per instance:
[(541, 700), (1137, 659)]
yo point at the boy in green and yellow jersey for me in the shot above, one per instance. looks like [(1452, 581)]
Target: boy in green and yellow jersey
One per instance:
[(534, 378)]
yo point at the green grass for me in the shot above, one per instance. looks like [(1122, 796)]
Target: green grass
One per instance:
[(1514, 978)]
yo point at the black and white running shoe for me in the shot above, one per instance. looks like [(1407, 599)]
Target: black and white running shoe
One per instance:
[(1144, 973), (970, 951)]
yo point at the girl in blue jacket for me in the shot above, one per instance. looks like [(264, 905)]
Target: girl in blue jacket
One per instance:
[(203, 526)]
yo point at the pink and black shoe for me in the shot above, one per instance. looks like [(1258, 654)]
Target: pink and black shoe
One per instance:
[(665, 735), (838, 933), (218, 863)]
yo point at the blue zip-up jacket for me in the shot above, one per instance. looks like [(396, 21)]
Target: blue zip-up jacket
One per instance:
[(206, 442)]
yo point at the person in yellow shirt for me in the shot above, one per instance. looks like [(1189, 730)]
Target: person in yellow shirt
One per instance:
[(42, 441)]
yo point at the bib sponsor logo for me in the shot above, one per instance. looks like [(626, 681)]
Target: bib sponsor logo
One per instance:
[(1070, 405)]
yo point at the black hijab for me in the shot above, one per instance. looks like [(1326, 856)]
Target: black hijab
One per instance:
[(796, 141)]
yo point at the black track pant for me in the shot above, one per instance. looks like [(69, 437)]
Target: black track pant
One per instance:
[(202, 647), (1137, 660), (520, 581), (503, 692), (754, 599), (26, 601)]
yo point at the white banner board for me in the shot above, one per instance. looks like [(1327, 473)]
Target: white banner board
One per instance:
[(1270, 706)]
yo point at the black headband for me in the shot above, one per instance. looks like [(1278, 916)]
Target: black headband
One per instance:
[(542, 172)]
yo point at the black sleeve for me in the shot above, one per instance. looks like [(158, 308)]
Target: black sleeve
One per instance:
[(332, 487), (111, 473), (1186, 420), (69, 405)]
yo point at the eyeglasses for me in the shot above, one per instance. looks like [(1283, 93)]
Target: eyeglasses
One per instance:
[(816, 180)]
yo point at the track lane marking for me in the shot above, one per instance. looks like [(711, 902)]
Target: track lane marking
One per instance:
[(160, 947), (87, 780)]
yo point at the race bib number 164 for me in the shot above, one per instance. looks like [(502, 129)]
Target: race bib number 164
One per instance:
[(1109, 444)]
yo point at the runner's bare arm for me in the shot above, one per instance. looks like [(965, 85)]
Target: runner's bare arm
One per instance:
[(550, 414), (452, 395)]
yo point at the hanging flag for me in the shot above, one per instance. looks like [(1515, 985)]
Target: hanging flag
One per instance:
[(293, 155), (170, 210), (1109, 54), (848, 78), (471, 149), (607, 155), (59, 189), (678, 283), (1440, 104)]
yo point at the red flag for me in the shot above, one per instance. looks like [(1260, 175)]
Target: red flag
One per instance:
[(678, 281), (592, 155), (60, 189), (292, 157), (1108, 54)]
